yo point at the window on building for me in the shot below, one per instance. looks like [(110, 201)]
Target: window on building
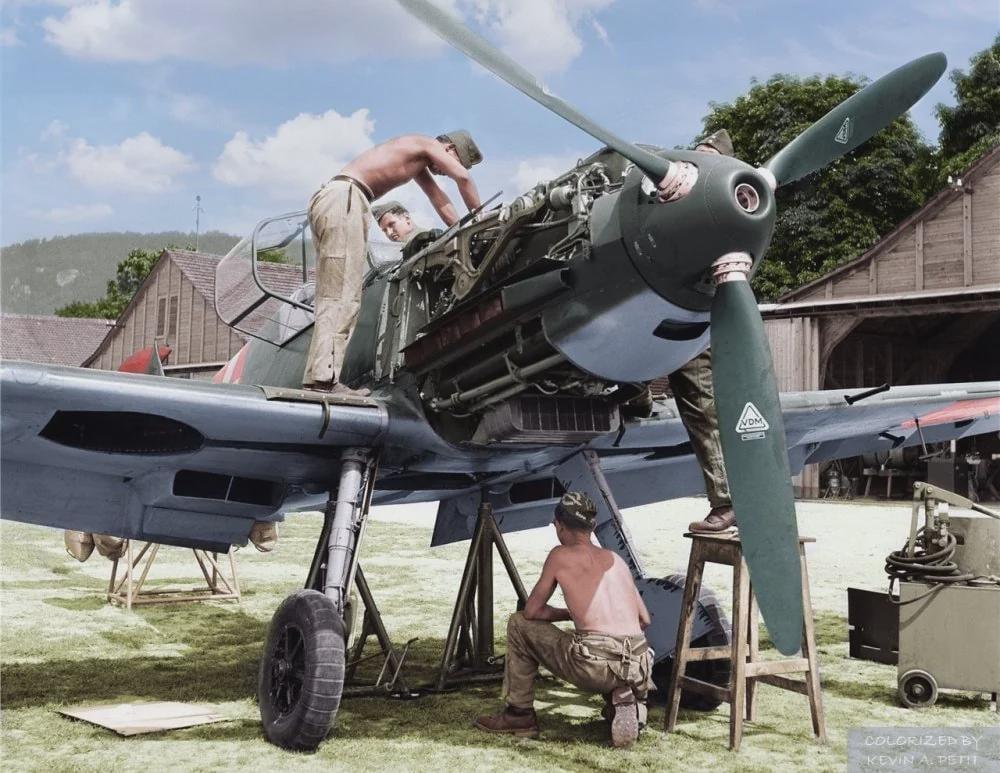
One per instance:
[(161, 317), (172, 327)]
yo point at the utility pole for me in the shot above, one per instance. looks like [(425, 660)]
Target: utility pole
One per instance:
[(197, 222)]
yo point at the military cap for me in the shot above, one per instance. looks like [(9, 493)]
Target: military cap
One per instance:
[(385, 208), (465, 146), (719, 140), (577, 509)]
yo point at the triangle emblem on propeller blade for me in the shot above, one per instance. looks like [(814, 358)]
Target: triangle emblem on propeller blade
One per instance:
[(752, 425), (845, 131)]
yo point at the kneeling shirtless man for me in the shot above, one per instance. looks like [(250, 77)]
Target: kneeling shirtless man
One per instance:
[(607, 653)]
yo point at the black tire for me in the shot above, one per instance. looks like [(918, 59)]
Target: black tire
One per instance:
[(917, 689), (302, 671), (716, 672)]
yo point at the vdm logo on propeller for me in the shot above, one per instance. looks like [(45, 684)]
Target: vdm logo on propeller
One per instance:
[(845, 132), (752, 425)]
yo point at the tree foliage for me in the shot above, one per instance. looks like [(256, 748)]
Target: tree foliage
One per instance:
[(835, 214), (976, 114), (129, 276)]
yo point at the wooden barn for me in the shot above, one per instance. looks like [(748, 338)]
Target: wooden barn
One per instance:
[(922, 306), (175, 307)]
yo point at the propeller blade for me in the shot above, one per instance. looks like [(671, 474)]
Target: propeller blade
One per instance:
[(856, 119), (756, 458), (472, 45)]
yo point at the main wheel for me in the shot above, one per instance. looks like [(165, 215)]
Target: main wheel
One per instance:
[(302, 671), (917, 689)]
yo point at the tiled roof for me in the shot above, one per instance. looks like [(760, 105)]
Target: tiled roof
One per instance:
[(199, 268), (50, 340)]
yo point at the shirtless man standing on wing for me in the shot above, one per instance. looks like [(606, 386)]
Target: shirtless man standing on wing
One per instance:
[(607, 653), (340, 215)]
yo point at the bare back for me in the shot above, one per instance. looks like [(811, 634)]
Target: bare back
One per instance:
[(394, 163), (599, 590)]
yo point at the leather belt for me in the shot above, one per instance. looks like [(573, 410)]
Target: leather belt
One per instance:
[(360, 185)]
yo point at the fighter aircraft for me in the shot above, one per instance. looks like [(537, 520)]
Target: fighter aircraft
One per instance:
[(503, 359)]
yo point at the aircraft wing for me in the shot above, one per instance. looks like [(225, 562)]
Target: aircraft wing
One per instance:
[(651, 460), (164, 459), (193, 463)]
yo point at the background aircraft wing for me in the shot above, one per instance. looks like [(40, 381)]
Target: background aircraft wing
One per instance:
[(651, 461)]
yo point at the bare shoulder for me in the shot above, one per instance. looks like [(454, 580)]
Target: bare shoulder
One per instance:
[(617, 561), (557, 556)]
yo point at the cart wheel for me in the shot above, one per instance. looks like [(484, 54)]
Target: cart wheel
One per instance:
[(917, 689), (302, 671)]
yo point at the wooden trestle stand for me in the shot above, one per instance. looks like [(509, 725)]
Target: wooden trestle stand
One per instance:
[(219, 584)]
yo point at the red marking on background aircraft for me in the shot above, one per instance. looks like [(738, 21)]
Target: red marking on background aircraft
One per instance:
[(232, 371), (140, 361), (957, 411)]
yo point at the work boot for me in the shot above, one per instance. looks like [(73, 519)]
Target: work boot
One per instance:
[(522, 723), (335, 388), (608, 711), (625, 719), (718, 519), (346, 391)]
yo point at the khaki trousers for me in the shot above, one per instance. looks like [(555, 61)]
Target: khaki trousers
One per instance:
[(592, 661), (339, 216), (695, 396)]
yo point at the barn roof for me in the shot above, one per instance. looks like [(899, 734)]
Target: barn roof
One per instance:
[(50, 340), (977, 169)]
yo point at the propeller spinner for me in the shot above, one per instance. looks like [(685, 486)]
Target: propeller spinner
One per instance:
[(753, 437)]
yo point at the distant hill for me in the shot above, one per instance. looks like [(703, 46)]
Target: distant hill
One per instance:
[(40, 275)]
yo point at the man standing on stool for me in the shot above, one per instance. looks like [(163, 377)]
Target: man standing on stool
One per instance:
[(340, 215), (695, 396), (607, 653)]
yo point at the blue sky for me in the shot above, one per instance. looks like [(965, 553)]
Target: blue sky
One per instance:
[(117, 113)]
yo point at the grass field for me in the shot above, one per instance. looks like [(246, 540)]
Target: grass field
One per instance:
[(62, 645)]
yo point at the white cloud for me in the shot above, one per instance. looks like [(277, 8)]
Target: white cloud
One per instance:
[(73, 214), (140, 164), (8, 37), (237, 32), (301, 154), (541, 34), (532, 171), (54, 132)]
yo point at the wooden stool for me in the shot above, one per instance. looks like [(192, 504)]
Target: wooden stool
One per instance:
[(747, 669)]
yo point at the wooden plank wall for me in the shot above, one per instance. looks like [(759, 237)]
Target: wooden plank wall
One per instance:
[(955, 246), (201, 337)]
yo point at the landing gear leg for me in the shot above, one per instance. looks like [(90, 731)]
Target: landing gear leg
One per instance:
[(302, 671)]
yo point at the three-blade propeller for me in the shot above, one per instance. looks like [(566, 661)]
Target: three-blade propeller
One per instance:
[(746, 395)]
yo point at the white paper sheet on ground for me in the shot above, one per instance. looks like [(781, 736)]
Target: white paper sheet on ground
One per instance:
[(135, 718)]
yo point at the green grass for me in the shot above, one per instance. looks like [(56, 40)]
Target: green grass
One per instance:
[(62, 645)]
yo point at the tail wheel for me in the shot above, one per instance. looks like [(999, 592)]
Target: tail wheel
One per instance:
[(917, 689), (302, 671)]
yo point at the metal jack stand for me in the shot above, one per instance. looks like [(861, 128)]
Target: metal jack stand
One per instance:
[(468, 652), (392, 664)]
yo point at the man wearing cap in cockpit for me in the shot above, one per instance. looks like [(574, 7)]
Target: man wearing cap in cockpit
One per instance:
[(395, 221), (340, 215)]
